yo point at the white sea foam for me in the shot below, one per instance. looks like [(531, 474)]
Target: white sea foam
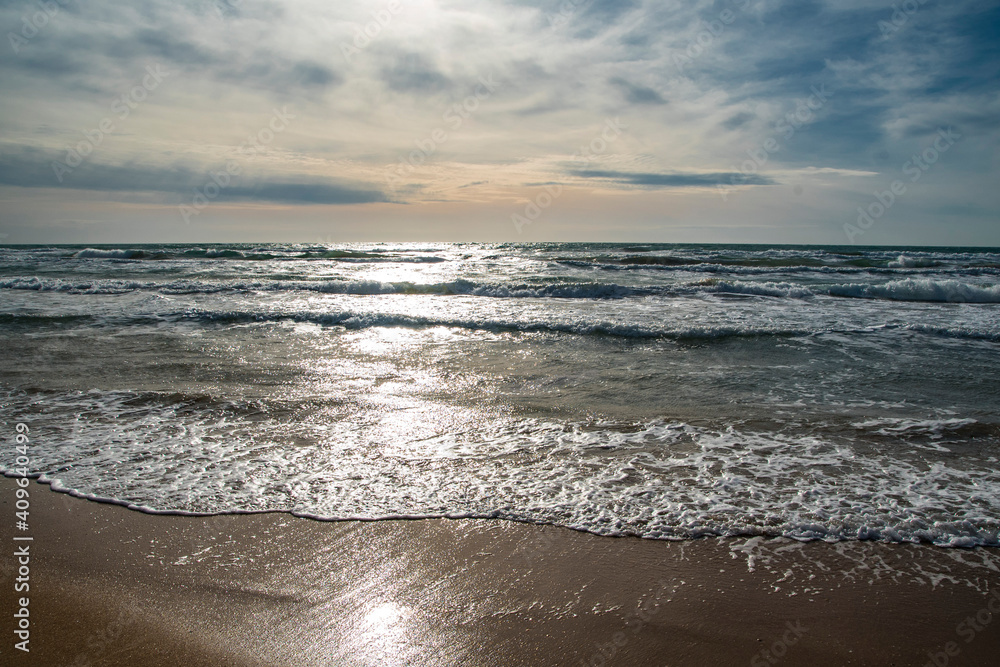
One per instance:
[(95, 253), (101, 286), (921, 289), (910, 289), (767, 288), (990, 333), (467, 287), (932, 427), (350, 319), (665, 480), (907, 262), (226, 254), (580, 290)]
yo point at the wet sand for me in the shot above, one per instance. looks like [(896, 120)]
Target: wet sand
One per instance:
[(110, 586)]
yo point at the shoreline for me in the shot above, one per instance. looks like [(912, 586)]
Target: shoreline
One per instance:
[(114, 586)]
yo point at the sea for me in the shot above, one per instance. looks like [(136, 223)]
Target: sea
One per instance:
[(660, 391)]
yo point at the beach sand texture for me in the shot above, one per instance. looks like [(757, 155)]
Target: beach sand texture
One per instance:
[(111, 586)]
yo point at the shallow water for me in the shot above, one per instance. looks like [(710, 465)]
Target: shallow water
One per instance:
[(662, 391)]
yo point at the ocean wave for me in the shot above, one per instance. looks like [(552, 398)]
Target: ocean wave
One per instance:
[(957, 332), (373, 257), (654, 260), (920, 289), (902, 264), (670, 261), (910, 289), (104, 286), (470, 288), (353, 320), (94, 253), (657, 479), (791, 265), (562, 290), (746, 269), (773, 289), (230, 254), (357, 320), (931, 430), (670, 265), (906, 262), (35, 319), (257, 254)]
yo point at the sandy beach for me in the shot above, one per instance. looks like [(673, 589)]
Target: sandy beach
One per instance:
[(111, 586)]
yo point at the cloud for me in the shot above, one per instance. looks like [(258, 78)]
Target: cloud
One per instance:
[(737, 120), (592, 17), (673, 180), (305, 193), (635, 94), (414, 73), (565, 67), (106, 40), (33, 168)]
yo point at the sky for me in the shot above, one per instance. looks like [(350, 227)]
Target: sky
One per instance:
[(729, 121)]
